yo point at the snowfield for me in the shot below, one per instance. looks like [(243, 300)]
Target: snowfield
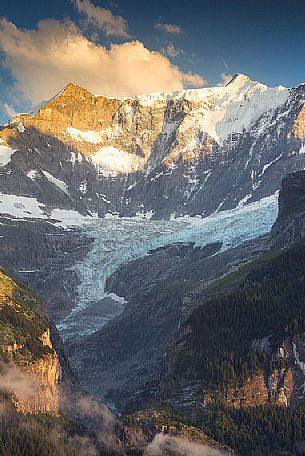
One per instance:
[(5, 154), (25, 207), (119, 241)]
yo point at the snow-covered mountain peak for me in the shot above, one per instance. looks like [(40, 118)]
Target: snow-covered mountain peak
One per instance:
[(239, 79), (238, 85), (160, 153)]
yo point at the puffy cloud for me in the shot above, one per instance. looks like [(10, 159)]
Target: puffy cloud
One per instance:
[(225, 79), (171, 51), (168, 28), (14, 381), (193, 80), (10, 111), (45, 59), (164, 444), (103, 18)]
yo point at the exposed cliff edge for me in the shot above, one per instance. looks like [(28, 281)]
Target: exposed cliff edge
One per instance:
[(240, 355), (27, 353), (290, 225)]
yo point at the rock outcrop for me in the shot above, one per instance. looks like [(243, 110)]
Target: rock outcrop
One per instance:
[(290, 225), (30, 366), (45, 373)]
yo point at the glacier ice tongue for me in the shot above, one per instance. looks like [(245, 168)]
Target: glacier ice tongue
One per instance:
[(119, 241)]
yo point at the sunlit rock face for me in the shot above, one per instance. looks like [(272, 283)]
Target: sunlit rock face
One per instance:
[(160, 155), (30, 366), (45, 374)]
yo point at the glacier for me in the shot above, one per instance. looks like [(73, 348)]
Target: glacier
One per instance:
[(121, 240)]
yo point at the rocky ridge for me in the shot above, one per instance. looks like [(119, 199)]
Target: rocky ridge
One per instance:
[(160, 155)]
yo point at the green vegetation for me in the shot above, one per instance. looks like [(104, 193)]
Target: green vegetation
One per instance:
[(170, 422), (258, 431), (255, 431), (264, 299), (41, 435), (22, 322), (237, 278), (267, 299), (160, 417)]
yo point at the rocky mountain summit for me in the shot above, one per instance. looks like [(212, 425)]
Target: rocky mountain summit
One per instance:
[(160, 155)]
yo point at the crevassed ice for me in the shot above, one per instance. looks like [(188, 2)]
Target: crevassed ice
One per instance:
[(117, 242)]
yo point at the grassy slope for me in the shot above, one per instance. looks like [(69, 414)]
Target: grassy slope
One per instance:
[(264, 298), (22, 322)]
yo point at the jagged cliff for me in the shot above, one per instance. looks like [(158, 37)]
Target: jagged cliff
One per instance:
[(289, 226), (161, 155), (30, 367)]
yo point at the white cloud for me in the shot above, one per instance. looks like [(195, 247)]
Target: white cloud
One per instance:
[(193, 80), (164, 444), (172, 51), (103, 18), (168, 28), (225, 79), (45, 59), (9, 110)]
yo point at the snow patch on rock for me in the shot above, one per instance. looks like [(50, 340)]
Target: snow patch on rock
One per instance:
[(90, 136), (32, 174), (21, 206), (21, 128), (5, 154), (59, 183), (111, 161)]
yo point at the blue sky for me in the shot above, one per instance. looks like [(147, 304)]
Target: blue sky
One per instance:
[(264, 39)]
